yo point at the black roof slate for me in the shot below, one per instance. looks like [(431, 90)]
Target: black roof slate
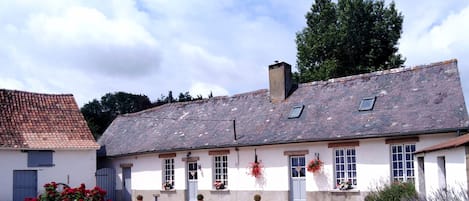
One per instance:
[(422, 99)]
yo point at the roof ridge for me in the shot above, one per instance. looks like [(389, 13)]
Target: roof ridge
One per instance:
[(379, 73), (332, 80), (33, 93), (255, 92)]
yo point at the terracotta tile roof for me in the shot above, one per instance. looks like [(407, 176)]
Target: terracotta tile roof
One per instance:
[(42, 121), (455, 142), (409, 101)]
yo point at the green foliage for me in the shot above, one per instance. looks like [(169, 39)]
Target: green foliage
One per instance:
[(347, 38), (99, 114), (395, 192), (80, 193)]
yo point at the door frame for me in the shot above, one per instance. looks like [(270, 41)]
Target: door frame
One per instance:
[(34, 182), (188, 180), (124, 185), (291, 179)]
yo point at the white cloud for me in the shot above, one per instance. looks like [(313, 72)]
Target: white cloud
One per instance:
[(205, 89), (85, 38), (440, 38), (89, 48)]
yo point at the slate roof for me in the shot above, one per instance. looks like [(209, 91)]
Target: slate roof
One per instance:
[(452, 143), (42, 121), (409, 101)]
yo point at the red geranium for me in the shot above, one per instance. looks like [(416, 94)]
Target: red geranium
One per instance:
[(314, 165), (256, 169), (68, 194)]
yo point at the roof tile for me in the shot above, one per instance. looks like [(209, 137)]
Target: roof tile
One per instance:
[(421, 99), (42, 121)]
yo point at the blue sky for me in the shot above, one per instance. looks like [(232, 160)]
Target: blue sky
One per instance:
[(89, 48)]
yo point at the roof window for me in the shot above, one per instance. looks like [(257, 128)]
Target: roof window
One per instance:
[(296, 111), (367, 104)]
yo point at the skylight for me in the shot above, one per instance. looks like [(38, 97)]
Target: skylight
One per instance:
[(296, 111), (367, 104)]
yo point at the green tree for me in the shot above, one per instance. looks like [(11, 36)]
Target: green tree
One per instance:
[(99, 114), (184, 97), (347, 38)]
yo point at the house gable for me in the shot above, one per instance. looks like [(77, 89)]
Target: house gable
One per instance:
[(42, 121)]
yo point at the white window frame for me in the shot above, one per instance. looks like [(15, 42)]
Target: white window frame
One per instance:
[(403, 161), (349, 163), (220, 169), (168, 171), (301, 173)]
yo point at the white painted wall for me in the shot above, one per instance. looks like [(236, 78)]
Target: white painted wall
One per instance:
[(456, 176), (372, 155), (78, 166), (373, 164), (430, 162)]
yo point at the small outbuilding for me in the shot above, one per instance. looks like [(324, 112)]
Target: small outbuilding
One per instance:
[(43, 138)]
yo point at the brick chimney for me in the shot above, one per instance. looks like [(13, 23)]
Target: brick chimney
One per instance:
[(280, 81)]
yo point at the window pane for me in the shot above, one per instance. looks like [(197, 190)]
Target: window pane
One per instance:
[(345, 164), (294, 161), (302, 161), (221, 169), (294, 172), (302, 172)]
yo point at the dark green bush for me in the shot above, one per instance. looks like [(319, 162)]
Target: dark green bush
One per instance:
[(397, 191)]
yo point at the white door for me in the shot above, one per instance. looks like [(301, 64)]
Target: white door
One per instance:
[(192, 181), (127, 184), (297, 178)]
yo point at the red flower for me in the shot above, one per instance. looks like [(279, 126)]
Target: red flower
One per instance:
[(256, 169), (314, 165)]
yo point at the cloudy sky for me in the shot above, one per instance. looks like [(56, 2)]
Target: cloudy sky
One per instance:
[(89, 48)]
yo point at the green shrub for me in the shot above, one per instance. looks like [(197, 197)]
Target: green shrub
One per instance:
[(397, 191)]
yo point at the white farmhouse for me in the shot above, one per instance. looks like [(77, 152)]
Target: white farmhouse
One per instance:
[(364, 128), (43, 138)]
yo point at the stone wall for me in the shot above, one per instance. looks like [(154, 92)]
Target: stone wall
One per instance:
[(227, 195)]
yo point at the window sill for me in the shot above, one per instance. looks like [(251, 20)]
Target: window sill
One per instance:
[(168, 191), (220, 190), (344, 191), (41, 165)]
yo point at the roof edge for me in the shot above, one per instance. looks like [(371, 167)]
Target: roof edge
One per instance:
[(382, 72), (372, 136), (61, 149), (35, 93)]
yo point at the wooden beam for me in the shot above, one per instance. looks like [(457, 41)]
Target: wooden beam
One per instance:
[(343, 144), (296, 153)]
